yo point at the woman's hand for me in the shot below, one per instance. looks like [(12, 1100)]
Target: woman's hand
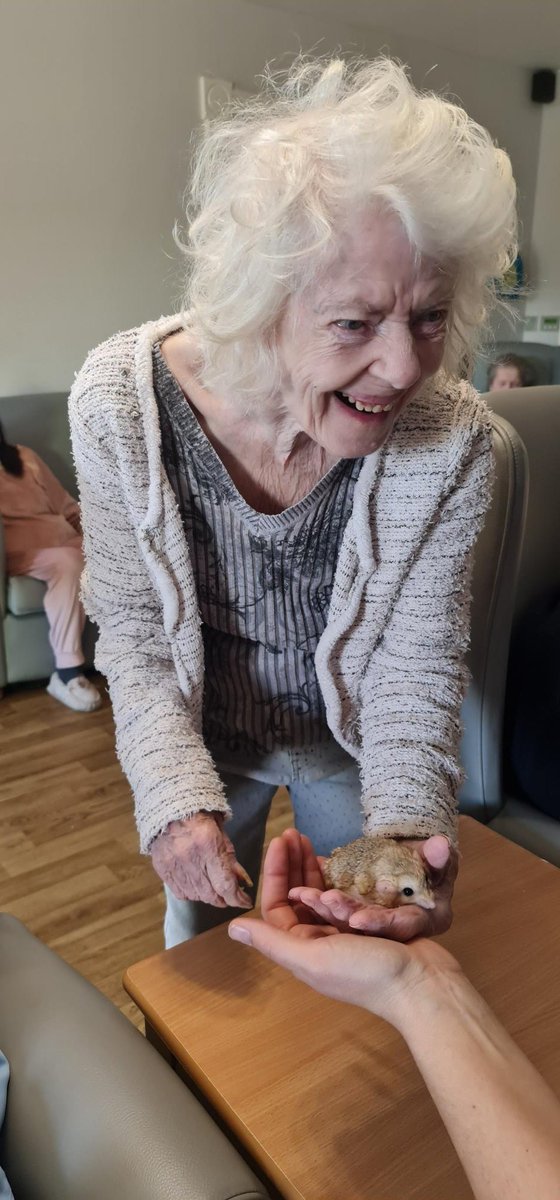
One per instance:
[(376, 974), (401, 924), (196, 860)]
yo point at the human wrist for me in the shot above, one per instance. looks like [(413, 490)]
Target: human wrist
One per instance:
[(429, 995), (198, 818)]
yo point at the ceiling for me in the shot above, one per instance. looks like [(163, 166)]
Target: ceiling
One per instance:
[(526, 32)]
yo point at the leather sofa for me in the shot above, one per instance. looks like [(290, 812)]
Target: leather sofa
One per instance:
[(25, 653), (93, 1110), (495, 576), (535, 415)]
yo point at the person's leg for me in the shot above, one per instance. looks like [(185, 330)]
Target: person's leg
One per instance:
[(63, 606), (250, 800), (60, 568), (329, 810)]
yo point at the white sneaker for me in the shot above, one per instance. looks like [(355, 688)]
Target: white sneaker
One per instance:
[(78, 693)]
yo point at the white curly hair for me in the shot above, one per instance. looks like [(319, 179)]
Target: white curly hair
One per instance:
[(274, 177)]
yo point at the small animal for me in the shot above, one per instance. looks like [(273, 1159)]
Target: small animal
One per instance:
[(380, 871)]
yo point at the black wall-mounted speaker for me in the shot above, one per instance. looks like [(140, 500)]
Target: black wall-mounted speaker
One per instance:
[(543, 86)]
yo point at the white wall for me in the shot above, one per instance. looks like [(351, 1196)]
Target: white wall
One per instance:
[(544, 261), (99, 98)]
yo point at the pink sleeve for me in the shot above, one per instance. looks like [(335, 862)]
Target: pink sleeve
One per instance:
[(60, 501)]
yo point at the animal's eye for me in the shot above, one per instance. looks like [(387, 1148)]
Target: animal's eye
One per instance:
[(408, 891)]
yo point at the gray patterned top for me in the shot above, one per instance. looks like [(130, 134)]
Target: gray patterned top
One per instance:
[(264, 584)]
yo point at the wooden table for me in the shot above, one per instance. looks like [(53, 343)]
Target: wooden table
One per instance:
[(326, 1098)]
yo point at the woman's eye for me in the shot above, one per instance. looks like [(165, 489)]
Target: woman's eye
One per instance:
[(434, 318), (350, 325)]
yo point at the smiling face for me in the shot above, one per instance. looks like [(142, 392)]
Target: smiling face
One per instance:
[(359, 343)]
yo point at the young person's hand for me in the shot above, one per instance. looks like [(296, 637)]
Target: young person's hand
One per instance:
[(291, 865), (378, 974), (500, 1114), (370, 972)]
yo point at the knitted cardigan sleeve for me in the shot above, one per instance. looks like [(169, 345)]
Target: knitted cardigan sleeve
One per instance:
[(412, 692), (158, 736)]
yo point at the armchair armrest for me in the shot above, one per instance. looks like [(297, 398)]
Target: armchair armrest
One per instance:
[(93, 1110)]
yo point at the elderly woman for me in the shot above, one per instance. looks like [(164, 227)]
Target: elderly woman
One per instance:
[(281, 488)]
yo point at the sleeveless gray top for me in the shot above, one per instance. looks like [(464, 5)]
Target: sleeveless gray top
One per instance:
[(264, 584)]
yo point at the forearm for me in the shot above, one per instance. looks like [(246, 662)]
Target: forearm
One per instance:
[(160, 748), (500, 1114), (411, 732), (414, 686)]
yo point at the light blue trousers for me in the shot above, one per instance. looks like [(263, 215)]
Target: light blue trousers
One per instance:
[(327, 809)]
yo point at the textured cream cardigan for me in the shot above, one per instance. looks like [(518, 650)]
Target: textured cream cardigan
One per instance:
[(391, 660)]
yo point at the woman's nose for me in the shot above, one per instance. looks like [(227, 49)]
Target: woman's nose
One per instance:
[(396, 359)]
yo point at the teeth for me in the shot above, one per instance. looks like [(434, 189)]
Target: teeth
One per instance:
[(369, 408)]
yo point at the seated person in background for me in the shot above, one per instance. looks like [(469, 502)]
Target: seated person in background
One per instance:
[(43, 539), (510, 371), (501, 1116)]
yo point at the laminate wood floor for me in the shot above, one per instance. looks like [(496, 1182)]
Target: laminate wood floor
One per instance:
[(69, 862)]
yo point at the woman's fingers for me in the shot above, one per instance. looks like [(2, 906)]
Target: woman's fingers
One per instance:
[(436, 850), (274, 897), (401, 924), (189, 884), (330, 906), (242, 874), (312, 900), (292, 840), (311, 865), (347, 914), (223, 880)]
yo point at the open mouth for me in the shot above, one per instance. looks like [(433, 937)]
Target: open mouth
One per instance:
[(358, 406)]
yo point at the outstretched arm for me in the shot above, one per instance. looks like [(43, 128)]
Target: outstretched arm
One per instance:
[(179, 796), (502, 1117)]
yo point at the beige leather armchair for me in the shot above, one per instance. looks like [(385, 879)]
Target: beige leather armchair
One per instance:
[(535, 414), (94, 1112), (517, 560), (496, 566)]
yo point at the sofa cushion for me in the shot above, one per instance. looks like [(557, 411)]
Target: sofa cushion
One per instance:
[(25, 595)]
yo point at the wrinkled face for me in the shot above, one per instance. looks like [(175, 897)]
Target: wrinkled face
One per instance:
[(358, 344), (506, 378)]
